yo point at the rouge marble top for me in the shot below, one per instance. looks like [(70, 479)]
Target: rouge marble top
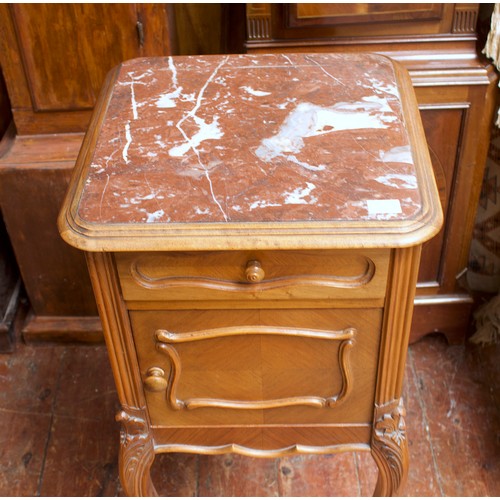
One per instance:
[(258, 140)]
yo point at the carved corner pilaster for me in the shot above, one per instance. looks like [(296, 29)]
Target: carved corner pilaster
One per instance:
[(465, 18), (136, 452), (258, 21), (390, 447)]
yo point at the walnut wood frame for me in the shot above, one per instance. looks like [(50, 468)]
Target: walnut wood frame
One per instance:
[(140, 441)]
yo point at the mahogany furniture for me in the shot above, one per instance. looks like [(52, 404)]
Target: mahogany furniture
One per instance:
[(253, 227), (54, 58), (438, 44)]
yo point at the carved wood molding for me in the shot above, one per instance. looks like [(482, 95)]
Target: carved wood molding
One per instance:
[(390, 447), (165, 340), (465, 18), (136, 452), (258, 21), (154, 283), (297, 449)]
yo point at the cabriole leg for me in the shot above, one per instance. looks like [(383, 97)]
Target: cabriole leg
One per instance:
[(390, 448), (136, 453)]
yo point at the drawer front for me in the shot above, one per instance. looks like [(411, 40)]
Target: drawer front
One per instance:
[(238, 367), (256, 276)]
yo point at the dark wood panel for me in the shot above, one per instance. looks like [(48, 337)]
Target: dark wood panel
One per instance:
[(327, 20), (314, 14), (443, 133), (56, 56), (55, 275), (66, 71)]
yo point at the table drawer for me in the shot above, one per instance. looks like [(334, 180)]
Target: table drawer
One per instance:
[(255, 276), (263, 367)]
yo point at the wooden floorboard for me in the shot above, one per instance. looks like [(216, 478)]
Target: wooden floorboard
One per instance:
[(58, 436)]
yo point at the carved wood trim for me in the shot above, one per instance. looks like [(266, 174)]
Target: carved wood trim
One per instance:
[(152, 283), (390, 447), (397, 323), (258, 21), (297, 449), (136, 452), (465, 18), (165, 340), (116, 328)]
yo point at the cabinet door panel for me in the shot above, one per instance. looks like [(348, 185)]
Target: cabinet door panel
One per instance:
[(311, 14), (443, 129), (67, 49)]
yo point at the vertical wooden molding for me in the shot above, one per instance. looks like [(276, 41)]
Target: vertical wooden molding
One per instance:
[(389, 444), (465, 18), (397, 323), (136, 452), (390, 447), (117, 330), (259, 21)]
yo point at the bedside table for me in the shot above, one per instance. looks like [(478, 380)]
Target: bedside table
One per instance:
[(253, 227)]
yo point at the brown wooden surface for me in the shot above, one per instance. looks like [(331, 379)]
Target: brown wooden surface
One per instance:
[(292, 275), (454, 88), (325, 376), (297, 371), (36, 170), (94, 219), (55, 56)]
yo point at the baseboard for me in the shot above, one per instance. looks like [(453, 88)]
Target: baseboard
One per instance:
[(446, 314), (63, 329)]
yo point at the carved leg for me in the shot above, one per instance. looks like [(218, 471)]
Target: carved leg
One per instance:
[(390, 447), (136, 453)]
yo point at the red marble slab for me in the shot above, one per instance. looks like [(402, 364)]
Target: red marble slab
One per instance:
[(252, 138)]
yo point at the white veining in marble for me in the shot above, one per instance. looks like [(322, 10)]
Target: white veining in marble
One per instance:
[(257, 93), (291, 137), (168, 100), (128, 136), (155, 215), (206, 131), (308, 120), (398, 181), (297, 196), (262, 204), (399, 154)]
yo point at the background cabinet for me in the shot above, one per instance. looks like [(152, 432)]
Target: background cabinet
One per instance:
[(55, 56), (54, 59), (455, 89)]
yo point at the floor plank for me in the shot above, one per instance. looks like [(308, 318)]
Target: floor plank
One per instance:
[(58, 436)]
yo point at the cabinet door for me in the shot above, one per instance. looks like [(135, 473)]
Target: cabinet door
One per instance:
[(66, 51)]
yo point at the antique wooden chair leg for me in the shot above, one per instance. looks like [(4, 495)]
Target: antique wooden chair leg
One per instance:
[(390, 448), (136, 453)]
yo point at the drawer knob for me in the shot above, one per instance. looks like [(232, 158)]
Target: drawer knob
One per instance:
[(254, 272), (155, 380)]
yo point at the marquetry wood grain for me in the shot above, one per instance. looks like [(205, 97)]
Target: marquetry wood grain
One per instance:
[(256, 368), (300, 275), (312, 361), (263, 441)]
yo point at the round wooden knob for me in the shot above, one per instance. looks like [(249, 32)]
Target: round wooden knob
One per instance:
[(155, 380), (254, 272)]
